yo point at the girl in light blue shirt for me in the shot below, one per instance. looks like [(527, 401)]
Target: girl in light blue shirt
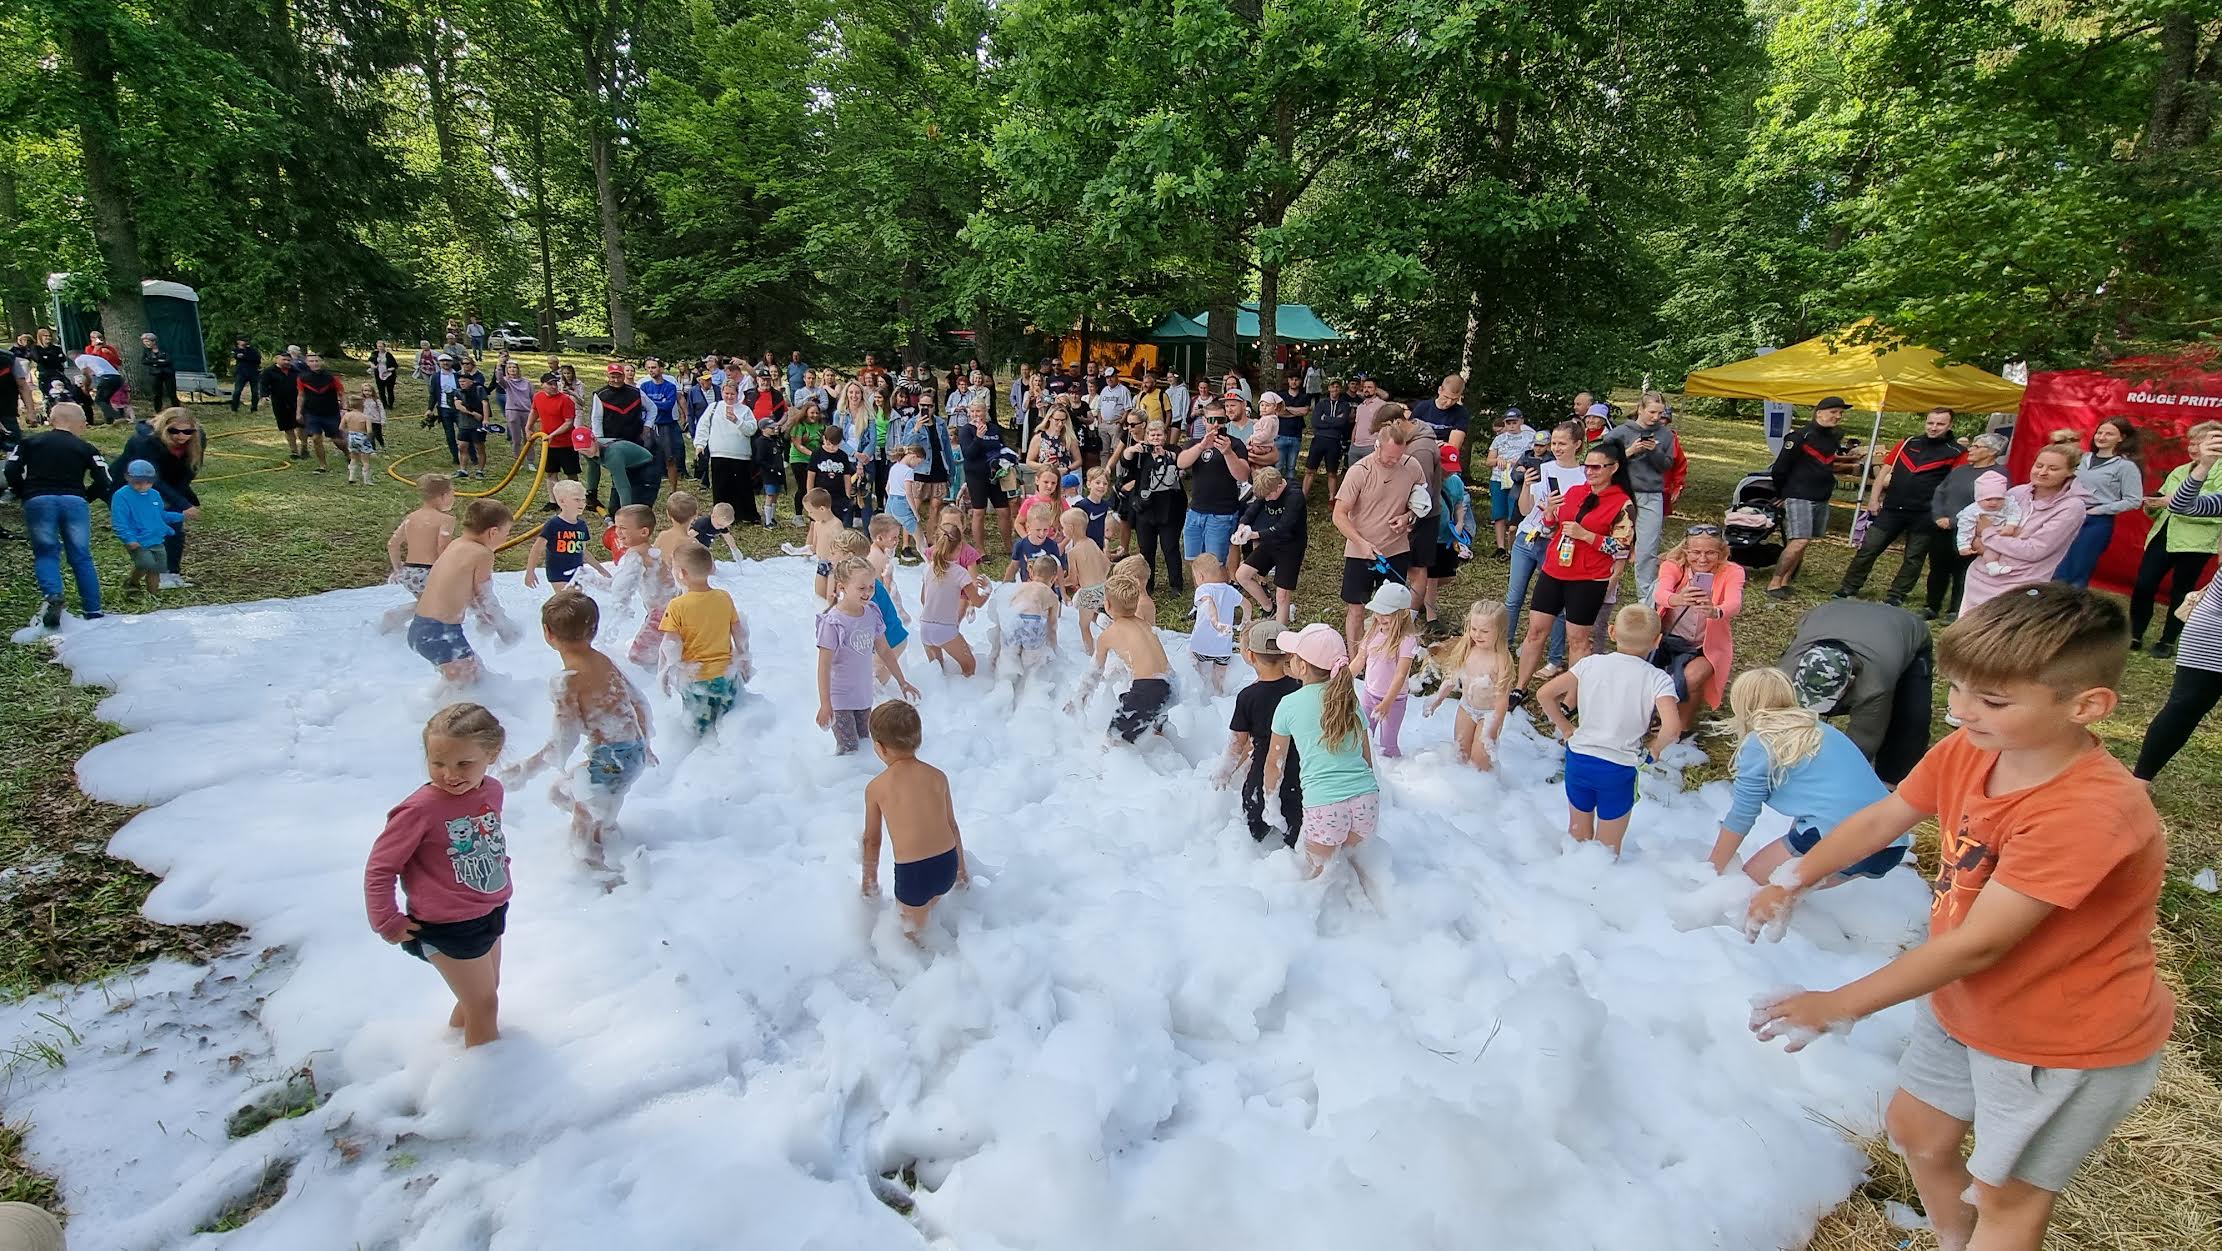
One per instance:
[(1799, 765)]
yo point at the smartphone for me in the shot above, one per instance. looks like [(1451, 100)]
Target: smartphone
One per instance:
[(1703, 582)]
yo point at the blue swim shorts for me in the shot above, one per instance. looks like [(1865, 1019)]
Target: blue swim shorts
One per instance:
[(1600, 786), (441, 642)]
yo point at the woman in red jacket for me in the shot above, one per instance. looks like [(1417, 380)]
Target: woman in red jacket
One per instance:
[(1577, 565)]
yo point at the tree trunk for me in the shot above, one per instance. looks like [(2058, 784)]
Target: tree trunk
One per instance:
[(123, 308), (983, 335), (540, 224), (613, 239), (17, 302), (1269, 325), (2181, 115), (441, 101), (1221, 348), (1085, 329)]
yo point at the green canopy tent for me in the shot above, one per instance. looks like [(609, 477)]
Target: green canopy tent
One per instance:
[(1183, 338)]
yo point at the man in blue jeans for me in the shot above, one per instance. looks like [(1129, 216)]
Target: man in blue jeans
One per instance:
[(1217, 468), (56, 475)]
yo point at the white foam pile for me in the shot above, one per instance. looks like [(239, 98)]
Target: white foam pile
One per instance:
[(1137, 1028)]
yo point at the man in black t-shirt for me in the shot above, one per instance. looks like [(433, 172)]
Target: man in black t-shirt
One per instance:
[(318, 392), (1804, 479), (1253, 734), (832, 468), (1901, 501), (278, 388), (1445, 412)]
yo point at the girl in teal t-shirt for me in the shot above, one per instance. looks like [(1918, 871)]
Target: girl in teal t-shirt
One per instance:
[(1342, 800)]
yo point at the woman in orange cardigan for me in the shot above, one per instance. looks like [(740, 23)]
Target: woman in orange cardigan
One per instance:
[(1699, 593)]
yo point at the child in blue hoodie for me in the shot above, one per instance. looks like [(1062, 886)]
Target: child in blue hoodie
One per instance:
[(142, 522)]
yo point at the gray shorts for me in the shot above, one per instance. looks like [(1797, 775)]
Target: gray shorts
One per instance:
[(2032, 1123), (1805, 519)]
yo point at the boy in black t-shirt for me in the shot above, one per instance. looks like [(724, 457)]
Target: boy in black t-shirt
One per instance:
[(1253, 734), (832, 470), (563, 539)]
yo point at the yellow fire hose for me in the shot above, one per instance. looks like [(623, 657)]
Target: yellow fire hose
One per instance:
[(233, 434)]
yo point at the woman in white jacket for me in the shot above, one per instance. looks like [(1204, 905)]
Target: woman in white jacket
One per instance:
[(727, 430)]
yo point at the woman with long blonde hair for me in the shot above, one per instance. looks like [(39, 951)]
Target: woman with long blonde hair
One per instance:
[(1793, 762)]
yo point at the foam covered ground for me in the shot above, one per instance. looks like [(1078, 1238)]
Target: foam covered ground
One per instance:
[(1137, 1028)]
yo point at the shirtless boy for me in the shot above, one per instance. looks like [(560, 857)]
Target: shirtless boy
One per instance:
[(912, 798), (1134, 641), (462, 580), (418, 541), (1088, 569)]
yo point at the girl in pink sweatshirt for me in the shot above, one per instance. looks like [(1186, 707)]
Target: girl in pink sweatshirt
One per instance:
[(444, 845)]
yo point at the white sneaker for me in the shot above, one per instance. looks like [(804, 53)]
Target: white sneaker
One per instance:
[(174, 582)]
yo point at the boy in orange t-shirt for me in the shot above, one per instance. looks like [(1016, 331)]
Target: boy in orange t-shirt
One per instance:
[(2043, 1019)]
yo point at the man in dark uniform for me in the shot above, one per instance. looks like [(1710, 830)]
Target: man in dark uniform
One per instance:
[(1872, 664), (161, 373), (246, 374)]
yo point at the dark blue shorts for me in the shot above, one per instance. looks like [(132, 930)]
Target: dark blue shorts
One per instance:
[(920, 882), (458, 940), (1600, 786), (441, 642), (1803, 838)]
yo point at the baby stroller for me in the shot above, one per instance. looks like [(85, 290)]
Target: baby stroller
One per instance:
[(1753, 524)]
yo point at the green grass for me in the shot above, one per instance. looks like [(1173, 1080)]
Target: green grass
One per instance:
[(68, 913)]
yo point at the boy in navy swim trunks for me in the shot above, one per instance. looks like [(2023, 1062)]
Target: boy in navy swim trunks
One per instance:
[(593, 699), (911, 798), (462, 581)]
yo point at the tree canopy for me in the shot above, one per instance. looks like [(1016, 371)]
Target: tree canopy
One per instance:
[(1547, 195)]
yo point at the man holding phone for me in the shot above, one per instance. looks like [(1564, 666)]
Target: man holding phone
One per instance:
[(1648, 445)]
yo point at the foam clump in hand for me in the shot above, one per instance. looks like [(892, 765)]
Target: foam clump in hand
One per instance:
[(1769, 1025)]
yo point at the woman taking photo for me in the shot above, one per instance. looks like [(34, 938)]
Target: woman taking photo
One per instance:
[(1577, 568), (174, 446), (1698, 594), (516, 403), (2177, 549), (1160, 503), (2113, 483), (1543, 485), (2051, 507), (916, 424)]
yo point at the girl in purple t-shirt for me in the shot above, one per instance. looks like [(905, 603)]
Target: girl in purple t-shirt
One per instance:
[(849, 634)]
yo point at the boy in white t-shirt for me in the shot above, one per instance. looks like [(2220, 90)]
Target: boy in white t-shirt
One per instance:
[(1618, 694), (1219, 612)]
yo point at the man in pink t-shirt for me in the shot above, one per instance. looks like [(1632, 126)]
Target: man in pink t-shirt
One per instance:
[(1373, 510)]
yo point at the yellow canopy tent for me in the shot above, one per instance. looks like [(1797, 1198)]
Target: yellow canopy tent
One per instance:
[(1876, 377)]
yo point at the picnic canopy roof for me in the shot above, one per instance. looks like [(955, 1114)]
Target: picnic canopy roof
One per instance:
[(1902, 379), (1294, 323)]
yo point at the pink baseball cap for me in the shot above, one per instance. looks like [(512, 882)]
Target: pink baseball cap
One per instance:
[(1320, 646)]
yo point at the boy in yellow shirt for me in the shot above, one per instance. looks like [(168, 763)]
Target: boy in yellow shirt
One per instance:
[(705, 642)]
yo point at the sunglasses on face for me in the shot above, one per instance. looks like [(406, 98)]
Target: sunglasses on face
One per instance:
[(1597, 464), (182, 433)]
